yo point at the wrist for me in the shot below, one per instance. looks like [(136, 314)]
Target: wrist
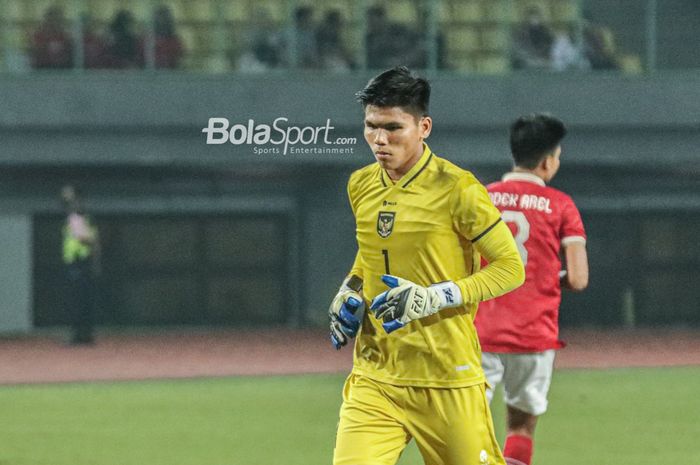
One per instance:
[(352, 283), (448, 294)]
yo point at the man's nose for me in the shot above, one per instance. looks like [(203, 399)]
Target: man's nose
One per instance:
[(380, 137)]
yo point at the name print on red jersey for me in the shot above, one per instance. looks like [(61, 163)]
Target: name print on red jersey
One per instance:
[(523, 202)]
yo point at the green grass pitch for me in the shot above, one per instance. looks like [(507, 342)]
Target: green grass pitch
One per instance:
[(610, 417)]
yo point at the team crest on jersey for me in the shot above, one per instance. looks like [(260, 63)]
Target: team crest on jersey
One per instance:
[(385, 223)]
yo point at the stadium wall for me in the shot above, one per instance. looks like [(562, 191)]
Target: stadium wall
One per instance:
[(134, 142)]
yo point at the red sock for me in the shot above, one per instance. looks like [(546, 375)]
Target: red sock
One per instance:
[(518, 450)]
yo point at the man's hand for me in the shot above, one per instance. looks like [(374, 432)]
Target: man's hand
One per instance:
[(406, 301), (346, 312)]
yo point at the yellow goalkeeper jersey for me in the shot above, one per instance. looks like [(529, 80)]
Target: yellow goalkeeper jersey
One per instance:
[(430, 226)]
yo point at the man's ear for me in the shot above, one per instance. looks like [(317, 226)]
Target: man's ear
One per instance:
[(547, 162), (426, 124)]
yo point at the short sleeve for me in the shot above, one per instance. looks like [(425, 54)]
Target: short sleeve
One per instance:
[(571, 229), (473, 213)]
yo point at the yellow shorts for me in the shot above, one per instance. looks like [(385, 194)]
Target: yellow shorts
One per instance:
[(451, 426)]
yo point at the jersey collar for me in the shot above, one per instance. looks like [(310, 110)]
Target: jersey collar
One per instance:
[(527, 177), (412, 174)]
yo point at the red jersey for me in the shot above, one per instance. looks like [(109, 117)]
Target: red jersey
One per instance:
[(542, 219)]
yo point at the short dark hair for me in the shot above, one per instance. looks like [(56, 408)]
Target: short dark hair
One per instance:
[(397, 87), (533, 137)]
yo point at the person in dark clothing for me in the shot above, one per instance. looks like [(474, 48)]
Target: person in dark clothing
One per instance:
[(81, 259), (532, 42), (122, 43)]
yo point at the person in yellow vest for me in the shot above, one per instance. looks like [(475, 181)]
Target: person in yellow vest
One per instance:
[(81, 259)]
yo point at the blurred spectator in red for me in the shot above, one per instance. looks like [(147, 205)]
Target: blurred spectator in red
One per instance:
[(332, 53), (168, 46), (94, 45), (532, 42), (122, 42), (52, 45)]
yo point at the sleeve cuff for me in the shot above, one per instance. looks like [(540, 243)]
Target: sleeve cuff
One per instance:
[(573, 239)]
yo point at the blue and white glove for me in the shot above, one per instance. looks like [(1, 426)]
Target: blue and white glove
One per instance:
[(346, 312), (406, 301)]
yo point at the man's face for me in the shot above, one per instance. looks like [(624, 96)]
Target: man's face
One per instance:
[(395, 137)]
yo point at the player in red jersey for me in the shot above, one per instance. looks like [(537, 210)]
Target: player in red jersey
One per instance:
[(519, 331)]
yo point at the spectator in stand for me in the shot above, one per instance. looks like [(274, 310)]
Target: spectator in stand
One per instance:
[(599, 45), (94, 46), (391, 44), (304, 38), (378, 41), (122, 43), (532, 42), (566, 54), (332, 53), (52, 45), (168, 46), (265, 48)]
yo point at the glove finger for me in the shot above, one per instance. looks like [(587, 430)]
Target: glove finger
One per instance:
[(392, 326), (348, 318), (336, 343), (348, 329), (386, 312), (338, 338), (392, 281), (352, 303), (379, 300)]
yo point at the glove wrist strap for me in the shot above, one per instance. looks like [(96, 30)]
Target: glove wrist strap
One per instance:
[(449, 294), (352, 283)]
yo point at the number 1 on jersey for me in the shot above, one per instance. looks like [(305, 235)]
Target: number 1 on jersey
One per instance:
[(385, 252)]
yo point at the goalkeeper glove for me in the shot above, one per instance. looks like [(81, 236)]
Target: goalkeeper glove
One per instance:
[(406, 301), (346, 312)]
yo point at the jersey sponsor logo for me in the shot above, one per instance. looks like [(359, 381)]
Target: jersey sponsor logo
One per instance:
[(462, 367), (385, 223), (389, 203)]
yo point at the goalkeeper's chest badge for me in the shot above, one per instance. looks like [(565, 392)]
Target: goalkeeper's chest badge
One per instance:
[(385, 223)]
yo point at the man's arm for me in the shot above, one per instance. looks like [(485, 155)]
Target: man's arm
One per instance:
[(356, 269), (504, 272), (576, 276), (480, 221)]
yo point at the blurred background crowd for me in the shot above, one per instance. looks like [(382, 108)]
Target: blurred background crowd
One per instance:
[(466, 36), (112, 95)]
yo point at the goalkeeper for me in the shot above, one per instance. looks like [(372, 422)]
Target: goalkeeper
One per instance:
[(422, 226)]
